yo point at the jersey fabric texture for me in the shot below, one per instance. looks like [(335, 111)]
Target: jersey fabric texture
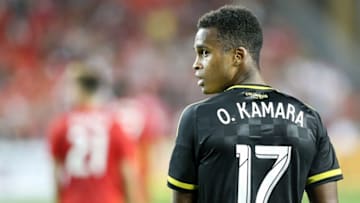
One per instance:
[(90, 145), (251, 143)]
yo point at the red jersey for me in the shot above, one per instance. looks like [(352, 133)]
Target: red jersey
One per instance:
[(90, 145)]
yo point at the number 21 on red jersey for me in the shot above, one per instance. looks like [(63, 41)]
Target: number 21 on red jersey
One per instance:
[(88, 153)]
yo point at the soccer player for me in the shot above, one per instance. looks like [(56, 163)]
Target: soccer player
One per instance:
[(94, 159), (250, 142)]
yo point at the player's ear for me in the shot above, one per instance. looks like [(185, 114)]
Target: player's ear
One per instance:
[(239, 55)]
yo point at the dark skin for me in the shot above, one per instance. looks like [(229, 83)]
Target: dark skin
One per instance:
[(325, 193), (217, 70)]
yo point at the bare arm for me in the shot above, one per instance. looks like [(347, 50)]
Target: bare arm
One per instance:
[(325, 193), (56, 175), (183, 197), (130, 173)]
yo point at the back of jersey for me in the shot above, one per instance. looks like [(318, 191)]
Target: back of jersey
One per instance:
[(89, 147), (254, 144)]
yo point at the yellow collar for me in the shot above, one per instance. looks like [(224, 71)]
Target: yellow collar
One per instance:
[(257, 87)]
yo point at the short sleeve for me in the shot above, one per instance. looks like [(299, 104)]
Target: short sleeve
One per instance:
[(325, 167), (183, 169), (56, 134)]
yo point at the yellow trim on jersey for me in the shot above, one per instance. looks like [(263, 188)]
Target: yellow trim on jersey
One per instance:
[(324, 175), (309, 106), (258, 87), (182, 185)]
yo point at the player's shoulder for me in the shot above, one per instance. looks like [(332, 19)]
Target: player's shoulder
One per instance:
[(313, 118), (200, 108), (57, 125), (195, 105), (296, 101), (59, 119)]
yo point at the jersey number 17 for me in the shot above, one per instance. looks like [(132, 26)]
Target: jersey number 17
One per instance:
[(282, 154)]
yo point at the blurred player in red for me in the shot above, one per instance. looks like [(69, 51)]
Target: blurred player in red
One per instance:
[(94, 159), (146, 118)]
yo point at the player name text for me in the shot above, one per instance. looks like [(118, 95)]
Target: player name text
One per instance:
[(263, 109)]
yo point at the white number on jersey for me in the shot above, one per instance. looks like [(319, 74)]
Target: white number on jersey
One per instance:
[(89, 150), (282, 154)]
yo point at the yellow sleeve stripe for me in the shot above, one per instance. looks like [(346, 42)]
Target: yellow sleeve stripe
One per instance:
[(324, 175), (180, 184)]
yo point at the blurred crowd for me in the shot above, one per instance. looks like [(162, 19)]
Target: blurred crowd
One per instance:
[(145, 46)]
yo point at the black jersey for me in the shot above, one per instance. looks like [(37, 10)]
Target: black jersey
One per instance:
[(251, 143)]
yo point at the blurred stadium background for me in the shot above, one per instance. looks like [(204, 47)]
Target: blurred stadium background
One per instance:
[(311, 50)]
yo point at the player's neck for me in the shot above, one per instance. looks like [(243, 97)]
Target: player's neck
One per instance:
[(255, 79), (251, 77), (87, 101)]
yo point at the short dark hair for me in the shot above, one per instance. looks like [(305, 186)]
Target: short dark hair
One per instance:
[(237, 27), (85, 76), (89, 83)]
